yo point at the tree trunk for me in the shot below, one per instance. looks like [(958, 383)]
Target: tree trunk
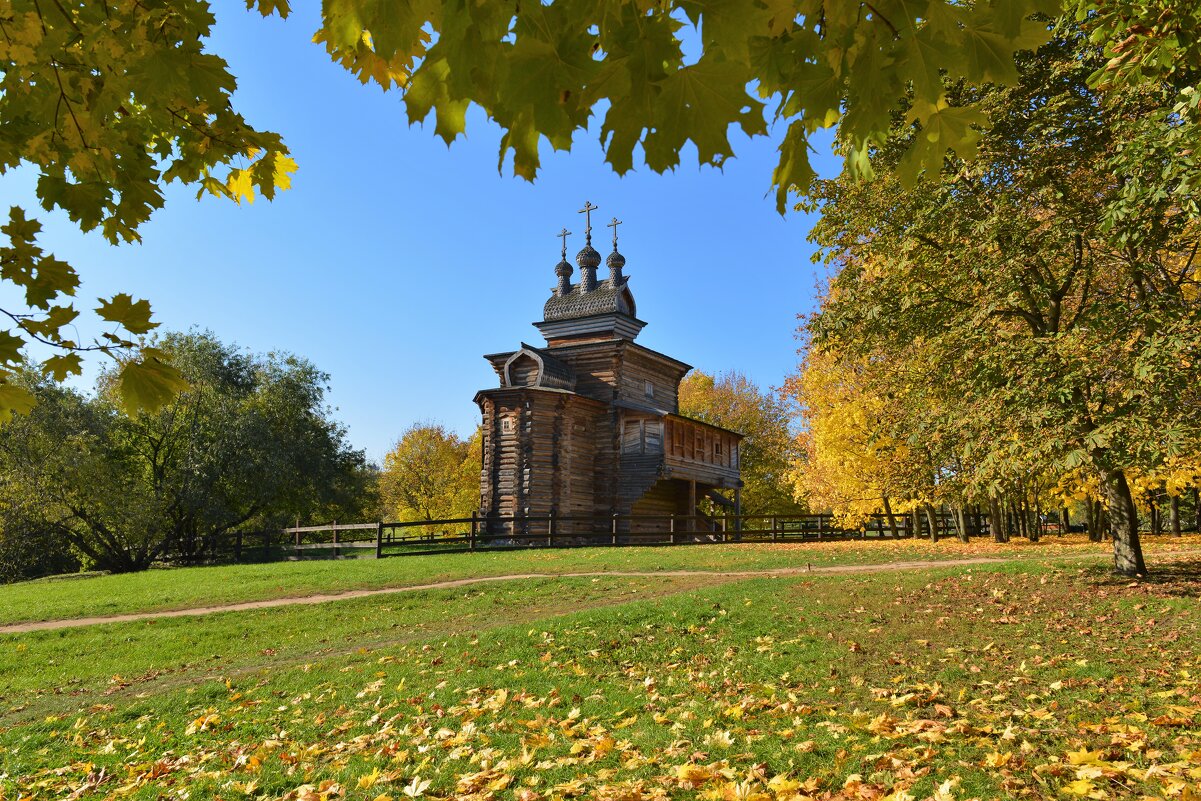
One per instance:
[(1123, 518), (933, 521), (892, 519), (994, 519), (1153, 505), (1196, 509), (1174, 515), (1065, 521), (1096, 520), (961, 523), (917, 521)]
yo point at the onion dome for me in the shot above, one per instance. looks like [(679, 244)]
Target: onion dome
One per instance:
[(563, 271), (615, 262), (589, 260)]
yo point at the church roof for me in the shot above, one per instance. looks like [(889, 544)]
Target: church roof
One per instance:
[(604, 299)]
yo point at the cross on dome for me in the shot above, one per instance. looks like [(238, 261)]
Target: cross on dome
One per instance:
[(613, 224), (587, 212)]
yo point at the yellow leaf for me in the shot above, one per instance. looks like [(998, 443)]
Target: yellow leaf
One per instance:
[(240, 185), (1085, 757)]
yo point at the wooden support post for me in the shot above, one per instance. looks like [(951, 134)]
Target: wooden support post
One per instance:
[(379, 539), (298, 540), (615, 515), (474, 530), (550, 529), (692, 506), (335, 539), (738, 511), (671, 529)]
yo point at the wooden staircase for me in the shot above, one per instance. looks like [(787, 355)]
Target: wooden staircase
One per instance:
[(638, 474)]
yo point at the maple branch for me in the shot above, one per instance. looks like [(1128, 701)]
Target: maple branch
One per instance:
[(895, 33), (62, 94), (23, 319)]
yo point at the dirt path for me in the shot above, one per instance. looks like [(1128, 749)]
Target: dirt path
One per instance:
[(44, 625)]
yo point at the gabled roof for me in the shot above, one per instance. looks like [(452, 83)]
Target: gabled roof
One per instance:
[(552, 373)]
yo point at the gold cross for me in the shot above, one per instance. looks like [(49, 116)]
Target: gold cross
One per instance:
[(616, 222), (564, 234), (587, 212)]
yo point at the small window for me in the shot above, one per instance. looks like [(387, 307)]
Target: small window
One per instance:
[(650, 389), (716, 448), (506, 424)]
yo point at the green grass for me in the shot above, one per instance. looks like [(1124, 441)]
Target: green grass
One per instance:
[(158, 590), (998, 682)]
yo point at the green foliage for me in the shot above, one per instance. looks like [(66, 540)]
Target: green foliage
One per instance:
[(541, 70), (431, 474), (733, 401), (108, 103), (29, 550), (250, 443)]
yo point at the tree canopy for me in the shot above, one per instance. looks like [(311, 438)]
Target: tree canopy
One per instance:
[(108, 103), (249, 443), (1018, 321)]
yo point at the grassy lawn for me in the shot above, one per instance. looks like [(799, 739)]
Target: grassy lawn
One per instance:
[(1004, 681), (175, 589)]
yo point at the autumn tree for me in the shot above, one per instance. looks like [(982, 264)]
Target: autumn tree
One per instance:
[(854, 463), (431, 474), (1054, 332), (733, 401)]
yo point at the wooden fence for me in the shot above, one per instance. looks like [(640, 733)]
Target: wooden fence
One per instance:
[(475, 533)]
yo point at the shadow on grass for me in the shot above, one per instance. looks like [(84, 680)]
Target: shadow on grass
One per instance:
[(1172, 579)]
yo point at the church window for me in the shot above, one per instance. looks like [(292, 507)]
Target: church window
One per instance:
[(650, 389), (506, 424)]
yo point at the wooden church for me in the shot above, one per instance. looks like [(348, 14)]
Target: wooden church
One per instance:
[(588, 426)]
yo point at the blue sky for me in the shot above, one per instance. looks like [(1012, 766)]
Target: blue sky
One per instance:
[(394, 262)]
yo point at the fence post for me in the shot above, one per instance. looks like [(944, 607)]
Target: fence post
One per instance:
[(725, 528), (335, 539), (550, 528), (379, 539), (298, 541), (266, 545), (820, 519), (238, 545), (471, 536), (671, 529), (615, 514)]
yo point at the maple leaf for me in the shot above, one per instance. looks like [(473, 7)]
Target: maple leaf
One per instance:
[(122, 309)]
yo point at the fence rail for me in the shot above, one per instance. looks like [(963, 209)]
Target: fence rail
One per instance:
[(478, 533)]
